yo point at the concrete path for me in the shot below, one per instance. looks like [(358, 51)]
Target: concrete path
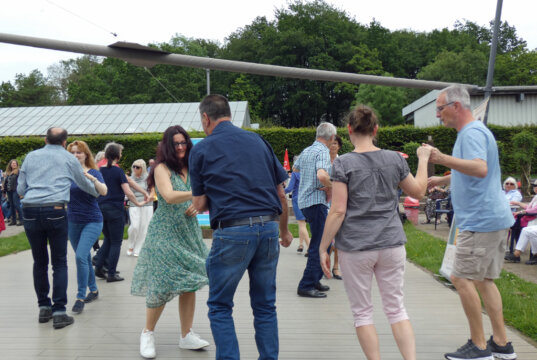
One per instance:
[(110, 327)]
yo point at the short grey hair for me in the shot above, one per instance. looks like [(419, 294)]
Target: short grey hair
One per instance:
[(457, 93), (326, 131), (511, 180)]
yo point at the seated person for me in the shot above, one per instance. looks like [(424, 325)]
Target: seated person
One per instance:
[(523, 217), (528, 234), (510, 188)]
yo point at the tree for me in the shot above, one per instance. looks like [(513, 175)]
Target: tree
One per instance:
[(387, 101), (507, 37), (524, 144), (66, 71), (468, 67), (28, 90), (518, 67)]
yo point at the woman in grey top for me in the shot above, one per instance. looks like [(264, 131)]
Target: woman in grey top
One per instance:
[(139, 216), (369, 235)]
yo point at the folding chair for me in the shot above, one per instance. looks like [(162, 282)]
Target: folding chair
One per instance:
[(443, 206)]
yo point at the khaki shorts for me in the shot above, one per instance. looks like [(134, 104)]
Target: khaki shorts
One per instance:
[(479, 255)]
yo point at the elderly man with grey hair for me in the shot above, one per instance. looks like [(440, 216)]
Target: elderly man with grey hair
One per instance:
[(313, 197), (483, 217)]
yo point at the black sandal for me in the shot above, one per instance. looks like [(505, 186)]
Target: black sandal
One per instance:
[(300, 249), (337, 277)]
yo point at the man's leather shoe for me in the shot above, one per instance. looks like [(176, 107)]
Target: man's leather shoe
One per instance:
[(322, 287), (114, 278), (313, 293), (99, 272)]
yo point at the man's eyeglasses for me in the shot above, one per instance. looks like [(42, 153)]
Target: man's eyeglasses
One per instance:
[(179, 144), (136, 167), (441, 107), (513, 184)]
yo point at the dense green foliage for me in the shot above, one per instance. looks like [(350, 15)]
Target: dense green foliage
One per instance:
[(399, 138), (312, 35)]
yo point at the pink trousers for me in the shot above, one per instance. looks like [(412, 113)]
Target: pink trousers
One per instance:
[(388, 266)]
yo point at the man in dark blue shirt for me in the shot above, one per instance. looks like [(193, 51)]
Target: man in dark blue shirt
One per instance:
[(236, 175)]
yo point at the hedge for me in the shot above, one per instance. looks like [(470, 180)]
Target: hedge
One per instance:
[(143, 146)]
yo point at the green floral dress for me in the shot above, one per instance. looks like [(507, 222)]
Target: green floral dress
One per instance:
[(172, 259)]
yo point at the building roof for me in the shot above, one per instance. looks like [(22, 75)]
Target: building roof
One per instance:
[(496, 90), (110, 119)]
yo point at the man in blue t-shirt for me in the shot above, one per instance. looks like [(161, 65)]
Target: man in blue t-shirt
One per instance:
[(483, 217), (235, 174)]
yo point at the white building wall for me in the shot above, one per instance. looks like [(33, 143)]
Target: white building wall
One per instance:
[(504, 110)]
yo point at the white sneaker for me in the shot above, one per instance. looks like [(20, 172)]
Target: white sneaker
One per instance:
[(129, 252), (192, 341), (147, 345)]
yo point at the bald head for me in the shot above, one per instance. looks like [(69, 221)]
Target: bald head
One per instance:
[(56, 136)]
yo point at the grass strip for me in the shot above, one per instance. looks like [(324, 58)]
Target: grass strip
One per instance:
[(519, 296), (13, 244)]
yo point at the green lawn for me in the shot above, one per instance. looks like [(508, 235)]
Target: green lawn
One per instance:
[(14, 244), (519, 296)]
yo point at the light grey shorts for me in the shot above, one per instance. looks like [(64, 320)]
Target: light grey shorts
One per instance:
[(479, 255)]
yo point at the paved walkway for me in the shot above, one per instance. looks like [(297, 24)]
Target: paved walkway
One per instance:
[(309, 328)]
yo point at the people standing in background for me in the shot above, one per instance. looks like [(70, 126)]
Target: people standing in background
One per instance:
[(12, 175), (113, 212), (139, 216), (85, 223), (292, 188)]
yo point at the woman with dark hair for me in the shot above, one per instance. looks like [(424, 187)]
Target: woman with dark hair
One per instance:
[(369, 235), (85, 224), (172, 259), (113, 212), (10, 187)]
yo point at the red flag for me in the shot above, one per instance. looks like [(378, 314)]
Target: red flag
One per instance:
[(286, 161)]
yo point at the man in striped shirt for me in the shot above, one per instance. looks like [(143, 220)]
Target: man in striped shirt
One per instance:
[(313, 197)]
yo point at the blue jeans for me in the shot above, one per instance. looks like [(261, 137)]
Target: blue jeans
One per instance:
[(82, 237), (315, 216), (234, 250), (15, 205), (6, 210), (42, 224), (113, 227)]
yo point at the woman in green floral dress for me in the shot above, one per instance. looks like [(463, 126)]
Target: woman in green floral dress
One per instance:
[(172, 259)]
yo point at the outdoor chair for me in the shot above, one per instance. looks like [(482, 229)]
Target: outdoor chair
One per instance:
[(443, 206)]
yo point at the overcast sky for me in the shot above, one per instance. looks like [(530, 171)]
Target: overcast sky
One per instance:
[(158, 20)]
